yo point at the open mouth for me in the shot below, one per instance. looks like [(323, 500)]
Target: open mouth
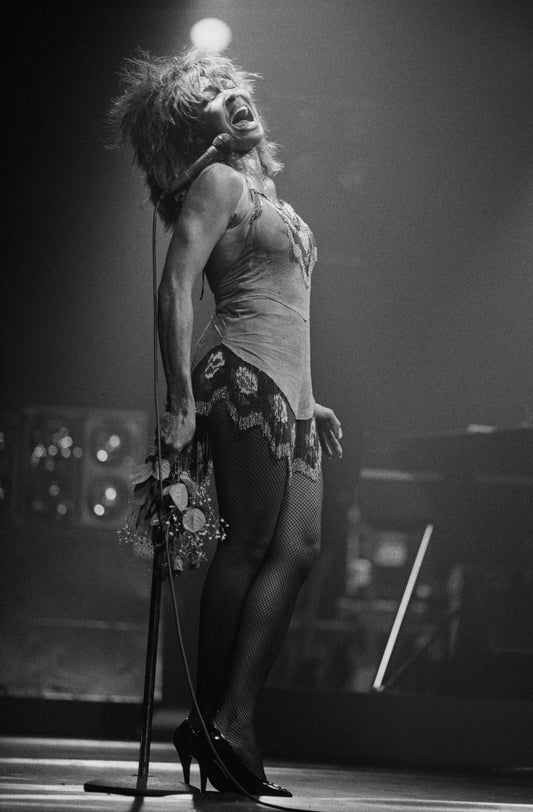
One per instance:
[(242, 117)]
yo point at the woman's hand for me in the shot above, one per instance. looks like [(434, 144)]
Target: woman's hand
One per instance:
[(177, 429), (329, 430)]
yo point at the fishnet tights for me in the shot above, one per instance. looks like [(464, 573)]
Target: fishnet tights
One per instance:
[(254, 578)]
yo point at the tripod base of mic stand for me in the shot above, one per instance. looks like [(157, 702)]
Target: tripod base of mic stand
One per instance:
[(155, 784)]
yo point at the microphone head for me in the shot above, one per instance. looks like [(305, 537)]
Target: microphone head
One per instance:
[(224, 143)]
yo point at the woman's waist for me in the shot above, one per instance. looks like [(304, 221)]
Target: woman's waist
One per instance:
[(274, 335), (283, 325), (259, 304)]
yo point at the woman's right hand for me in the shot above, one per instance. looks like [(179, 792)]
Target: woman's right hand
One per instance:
[(177, 429)]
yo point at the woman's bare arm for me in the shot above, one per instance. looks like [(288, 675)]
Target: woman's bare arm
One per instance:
[(204, 218)]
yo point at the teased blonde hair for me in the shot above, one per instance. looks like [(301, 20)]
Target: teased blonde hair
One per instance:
[(158, 115)]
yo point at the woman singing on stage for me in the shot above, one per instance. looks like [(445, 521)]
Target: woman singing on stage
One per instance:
[(245, 393)]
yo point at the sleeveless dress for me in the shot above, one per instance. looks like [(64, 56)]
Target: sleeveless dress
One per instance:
[(254, 354)]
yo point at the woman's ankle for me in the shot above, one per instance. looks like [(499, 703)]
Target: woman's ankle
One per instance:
[(195, 721), (240, 736)]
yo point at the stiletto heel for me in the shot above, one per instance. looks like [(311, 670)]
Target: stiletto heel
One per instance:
[(246, 779), (185, 744), (203, 765), (185, 760)]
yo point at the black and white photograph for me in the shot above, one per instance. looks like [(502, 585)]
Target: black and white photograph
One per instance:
[(266, 415)]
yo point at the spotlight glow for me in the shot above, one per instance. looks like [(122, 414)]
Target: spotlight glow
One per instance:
[(113, 442), (211, 35)]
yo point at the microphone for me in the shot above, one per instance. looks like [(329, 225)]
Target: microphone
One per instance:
[(222, 144)]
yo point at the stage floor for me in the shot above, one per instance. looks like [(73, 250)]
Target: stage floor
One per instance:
[(48, 775)]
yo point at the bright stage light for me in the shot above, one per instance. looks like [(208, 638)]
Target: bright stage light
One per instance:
[(211, 35)]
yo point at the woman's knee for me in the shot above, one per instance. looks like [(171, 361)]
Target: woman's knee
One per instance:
[(297, 551), (246, 545), (310, 549), (300, 531)]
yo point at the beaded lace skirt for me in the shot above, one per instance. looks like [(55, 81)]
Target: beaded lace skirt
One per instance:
[(253, 399)]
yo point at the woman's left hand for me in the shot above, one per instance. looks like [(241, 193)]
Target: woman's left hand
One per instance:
[(329, 430)]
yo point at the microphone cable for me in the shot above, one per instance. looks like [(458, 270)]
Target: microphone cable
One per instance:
[(168, 560)]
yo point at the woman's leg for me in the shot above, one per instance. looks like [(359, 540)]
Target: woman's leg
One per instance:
[(250, 487), (266, 614)]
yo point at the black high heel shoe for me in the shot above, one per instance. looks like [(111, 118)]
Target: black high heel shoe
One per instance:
[(246, 779), (191, 744), (187, 747)]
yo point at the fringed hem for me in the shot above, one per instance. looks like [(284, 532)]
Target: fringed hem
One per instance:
[(252, 399), (244, 423)]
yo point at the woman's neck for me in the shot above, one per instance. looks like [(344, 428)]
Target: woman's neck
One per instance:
[(252, 164)]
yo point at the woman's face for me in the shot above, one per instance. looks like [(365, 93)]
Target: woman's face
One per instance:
[(233, 111)]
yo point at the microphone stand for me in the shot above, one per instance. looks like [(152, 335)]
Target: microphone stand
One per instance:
[(145, 783)]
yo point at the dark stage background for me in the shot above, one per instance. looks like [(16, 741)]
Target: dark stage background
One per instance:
[(406, 130)]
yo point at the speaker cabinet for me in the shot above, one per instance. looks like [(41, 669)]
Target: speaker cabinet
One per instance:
[(74, 465), (74, 601)]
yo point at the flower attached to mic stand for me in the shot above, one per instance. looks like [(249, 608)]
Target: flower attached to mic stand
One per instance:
[(183, 510)]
